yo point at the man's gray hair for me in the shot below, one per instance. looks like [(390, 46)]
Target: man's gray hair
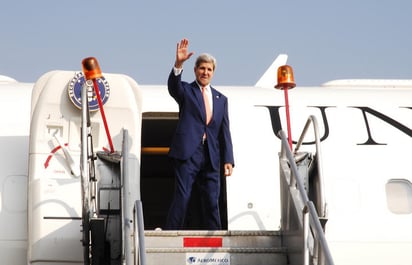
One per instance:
[(205, 58)]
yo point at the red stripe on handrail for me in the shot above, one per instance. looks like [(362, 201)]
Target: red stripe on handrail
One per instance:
[(99, 101)]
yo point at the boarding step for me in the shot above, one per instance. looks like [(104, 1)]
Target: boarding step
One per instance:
[(214, 248)]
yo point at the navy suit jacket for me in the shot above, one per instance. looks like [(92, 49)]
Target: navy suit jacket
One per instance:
[(192, 123)]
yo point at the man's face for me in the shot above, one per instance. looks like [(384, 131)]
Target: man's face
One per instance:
[(204, 73)]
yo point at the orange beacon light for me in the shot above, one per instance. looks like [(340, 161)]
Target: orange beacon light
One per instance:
[(286, 81), (91, 68), (285, 77), (91, 71)]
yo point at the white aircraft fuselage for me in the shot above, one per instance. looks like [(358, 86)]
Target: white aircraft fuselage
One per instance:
[(366, 138)]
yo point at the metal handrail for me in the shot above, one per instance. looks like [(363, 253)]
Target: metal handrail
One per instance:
[(139, 244), (319, 233), (137, 231), (309, 208), (312, 120)]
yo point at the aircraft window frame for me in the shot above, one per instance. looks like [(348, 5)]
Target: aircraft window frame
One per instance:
[(399, 196)]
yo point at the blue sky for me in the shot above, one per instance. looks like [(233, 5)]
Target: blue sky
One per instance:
[(325, 40)]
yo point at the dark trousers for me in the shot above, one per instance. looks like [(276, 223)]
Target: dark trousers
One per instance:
[(195, 171)]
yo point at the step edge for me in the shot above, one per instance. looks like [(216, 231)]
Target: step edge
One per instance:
[(205, 233), (275, 250)]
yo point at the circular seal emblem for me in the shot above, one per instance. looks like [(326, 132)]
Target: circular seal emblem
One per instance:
[(74, 89)]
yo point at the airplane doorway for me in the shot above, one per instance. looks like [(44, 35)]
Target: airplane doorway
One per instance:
[(156, 173)]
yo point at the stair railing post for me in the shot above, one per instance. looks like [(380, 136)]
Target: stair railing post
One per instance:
[(305, 216)]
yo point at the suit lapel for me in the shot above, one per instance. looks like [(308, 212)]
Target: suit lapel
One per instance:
[(198, 95), (216, 102)]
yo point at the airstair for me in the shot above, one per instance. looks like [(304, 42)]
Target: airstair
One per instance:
[(215, 247), (105, 225), (299, 241)]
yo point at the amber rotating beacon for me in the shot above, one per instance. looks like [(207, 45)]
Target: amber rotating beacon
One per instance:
[(91, 70), (286, 82)]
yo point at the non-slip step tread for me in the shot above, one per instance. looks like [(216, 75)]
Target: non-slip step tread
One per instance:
[(215, 250), (166, 233)]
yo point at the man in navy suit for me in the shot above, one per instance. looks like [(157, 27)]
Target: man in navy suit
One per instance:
[(202, 143)]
